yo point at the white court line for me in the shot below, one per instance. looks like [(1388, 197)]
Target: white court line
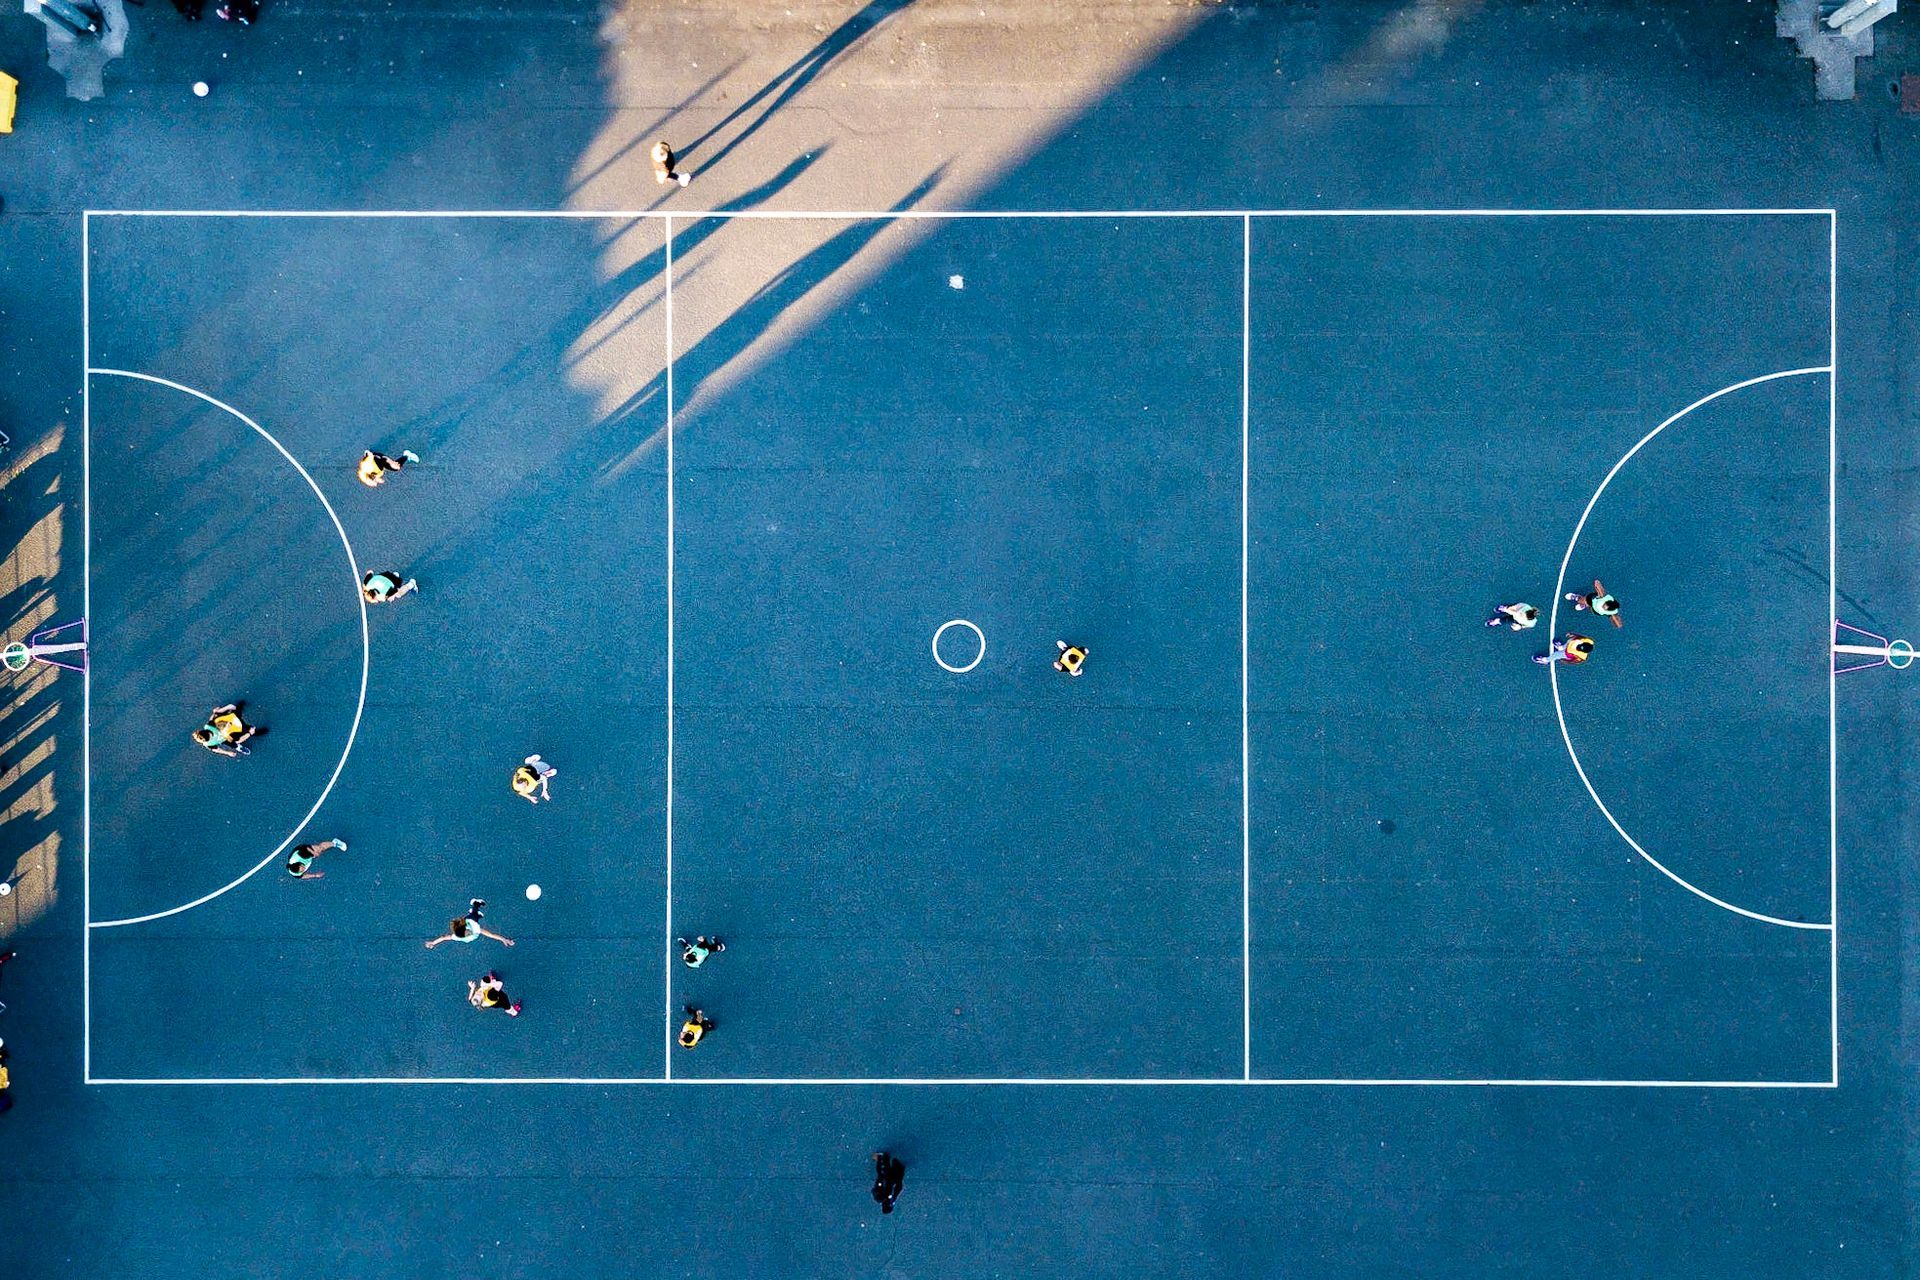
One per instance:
[(1246, 754), (86, 678), (884, 215), (667, 964), (913, 215), (1833, 617), (940, 1082), (1553, 668), (359, 707)]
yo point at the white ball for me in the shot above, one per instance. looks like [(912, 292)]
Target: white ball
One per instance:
[(533, 893), (6, 890), (200, 89), (956, 282)]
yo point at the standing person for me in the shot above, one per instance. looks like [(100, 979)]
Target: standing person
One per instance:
[(1072, 657), (1574, 649), (694, 954), (530, 779), (382, 586), (491, 993), (695, 1027), (6, 1081), (301, 859), (468, 927), (240, 11), (889, 1175), (663, 166), (1602, 603), (226, 731), (374, 466), (1519, 615)]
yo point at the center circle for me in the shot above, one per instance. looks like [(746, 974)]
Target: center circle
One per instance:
[(947, 666)]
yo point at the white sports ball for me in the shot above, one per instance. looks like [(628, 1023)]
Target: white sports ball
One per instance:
[(6, 890), (200, 89), (533, 893)]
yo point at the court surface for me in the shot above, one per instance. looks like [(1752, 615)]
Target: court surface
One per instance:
[(1303, 820)]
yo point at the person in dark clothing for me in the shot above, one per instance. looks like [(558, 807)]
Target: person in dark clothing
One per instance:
[(240, 11), (889, 1174)]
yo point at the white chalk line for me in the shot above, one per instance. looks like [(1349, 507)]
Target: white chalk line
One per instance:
[(1833, 617), (86, 678), (668, 945), (1553, 668), (888, 215), (1089, 1082), (1246, 748), (365, 649)]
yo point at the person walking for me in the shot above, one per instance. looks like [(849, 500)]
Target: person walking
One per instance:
[(468, 928), (491, 993), (300, 861), (374, 466), (226, 731), (383, 586), (240, 11), (6, 1081), (664, 162), (695, 1028), (1519, 616), (530, 779), (1574, 649), (694, 954), (1072, 658), (1603, 603), (889, 1175)]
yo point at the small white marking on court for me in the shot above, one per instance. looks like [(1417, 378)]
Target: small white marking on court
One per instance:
[(956, 282), (1553, 668), (360, 705), (959, 622)]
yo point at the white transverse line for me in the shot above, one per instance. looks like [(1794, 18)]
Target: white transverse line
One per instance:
[(1246, 784), (884, 215), (667, 945)]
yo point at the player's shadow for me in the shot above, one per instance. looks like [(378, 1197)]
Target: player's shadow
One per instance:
[(733, 336), (767, 101)]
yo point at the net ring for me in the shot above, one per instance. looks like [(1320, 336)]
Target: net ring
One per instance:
[(16, 656), (1899, 654)]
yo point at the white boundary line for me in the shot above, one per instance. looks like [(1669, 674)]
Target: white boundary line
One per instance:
[(882, 215), (1246, 753), (360, 706), (86, 679), (935, 1082), (1246, 215), (1833, 615), (1553, 629), (667, 963)]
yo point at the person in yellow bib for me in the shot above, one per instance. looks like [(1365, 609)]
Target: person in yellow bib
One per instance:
[(374, 466), (1072, 657), (1573, 650), (530, 779), (695, 1027), (226, 732), (491, 993)]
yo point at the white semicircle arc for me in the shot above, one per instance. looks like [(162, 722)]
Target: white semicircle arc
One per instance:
[(360, 705), (1553, 668)]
